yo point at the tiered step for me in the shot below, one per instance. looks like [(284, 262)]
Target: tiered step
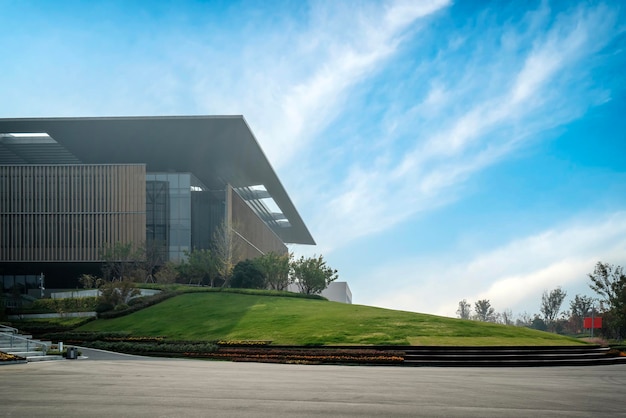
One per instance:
[(509, 356), (26, 347)]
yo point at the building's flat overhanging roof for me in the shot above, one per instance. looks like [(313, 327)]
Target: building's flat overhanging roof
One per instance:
[(217, 149)]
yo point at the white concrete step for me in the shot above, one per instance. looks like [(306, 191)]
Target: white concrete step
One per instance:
[(8, 336), (26, 354), (44, 358), (23, 346)]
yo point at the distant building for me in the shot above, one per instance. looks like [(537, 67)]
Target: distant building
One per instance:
[(336, 292), (70, 186)]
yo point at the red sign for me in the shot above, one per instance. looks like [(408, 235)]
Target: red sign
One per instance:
[(597, 323)]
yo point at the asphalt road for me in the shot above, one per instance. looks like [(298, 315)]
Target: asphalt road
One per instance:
[(112, 385)]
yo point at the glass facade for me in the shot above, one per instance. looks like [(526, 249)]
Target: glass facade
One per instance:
[(157, 211), (175, 202), (18, 284)]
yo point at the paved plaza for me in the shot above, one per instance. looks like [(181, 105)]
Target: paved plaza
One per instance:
[(111, 385)]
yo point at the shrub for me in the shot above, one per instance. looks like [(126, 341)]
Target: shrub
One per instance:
[(247, 274), (103, 307), (43, 326), (118, 292), (86, 304), (142, 303)]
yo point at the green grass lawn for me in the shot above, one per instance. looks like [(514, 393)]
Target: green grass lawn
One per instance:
[(228, 316)]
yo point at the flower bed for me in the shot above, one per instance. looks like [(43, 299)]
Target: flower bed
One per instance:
[(9, 358), (233, 350), (305, 355), (243, 343)]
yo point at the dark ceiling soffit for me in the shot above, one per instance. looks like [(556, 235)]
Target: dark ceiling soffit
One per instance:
[(210, 147)]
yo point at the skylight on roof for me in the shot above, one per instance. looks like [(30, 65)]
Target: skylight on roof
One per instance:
[(26, 138), (271, 205)]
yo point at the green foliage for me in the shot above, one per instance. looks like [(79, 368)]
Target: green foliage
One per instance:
[(226, 249), (127, 343), (167, 274), (89, 281), (81, 337), (579, 308), (464, 311), (178, 288), (118, 292), (200, 267), (87, 304), (152, 255), (551, 305), (609, 282), (134, 347), (120, 260), (248, 275), (538, 323), (225, 315), (484, 311), (312, 274), (103, 307), (275, 267), (43, 326)]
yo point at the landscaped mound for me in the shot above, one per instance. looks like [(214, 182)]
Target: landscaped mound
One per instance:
[(293, 321)]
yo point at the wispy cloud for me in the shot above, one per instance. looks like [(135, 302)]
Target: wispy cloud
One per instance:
[(459, 128), (512, 276), (290, 92)]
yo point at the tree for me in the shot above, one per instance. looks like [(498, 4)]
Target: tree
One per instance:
[(609, 282), (484, 311), (201, 266), (507, 317), (168, 273), (538, 323), (579, 309), (551, 305), (464, 311), (153, 256), (226, 250), (524, 320), (118, 292), (89, 281), (275, 267), (248, 275), (120, 260), (580, 306), (312, 275)]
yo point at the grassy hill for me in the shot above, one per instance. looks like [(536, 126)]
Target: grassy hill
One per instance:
[(293, 321)]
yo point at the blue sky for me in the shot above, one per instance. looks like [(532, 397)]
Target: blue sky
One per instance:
[(438, 151)]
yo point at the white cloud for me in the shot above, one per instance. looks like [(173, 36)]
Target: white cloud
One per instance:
[(296, 88), (449, 146), (310, 105), (512, 276)]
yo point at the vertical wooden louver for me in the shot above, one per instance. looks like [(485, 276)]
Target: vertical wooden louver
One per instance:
[(255, 237), (69, 212)]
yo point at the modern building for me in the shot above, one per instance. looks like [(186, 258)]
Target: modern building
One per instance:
[(71, 186)]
